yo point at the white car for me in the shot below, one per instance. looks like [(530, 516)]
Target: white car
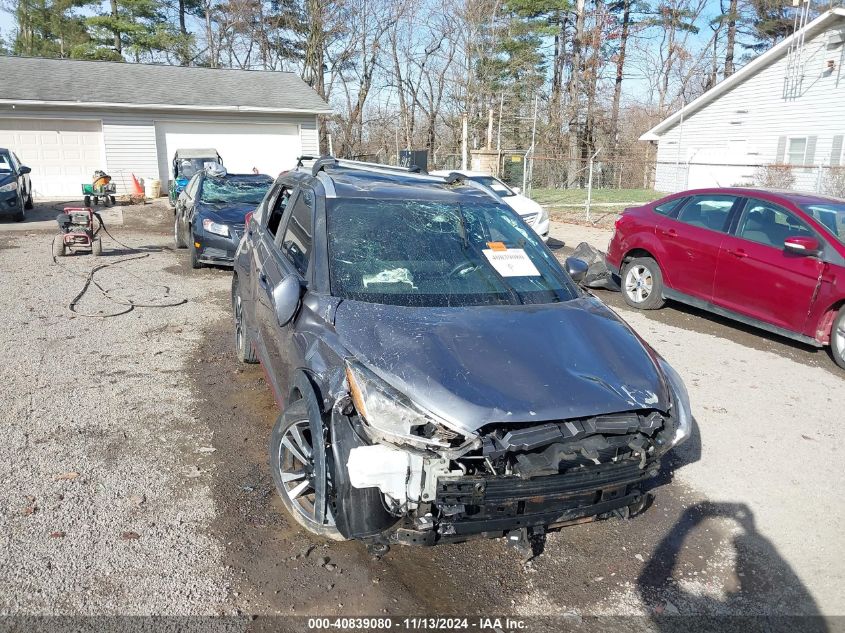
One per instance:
[(535, 215)]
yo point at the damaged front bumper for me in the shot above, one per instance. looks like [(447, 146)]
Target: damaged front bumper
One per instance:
[(549, 475)]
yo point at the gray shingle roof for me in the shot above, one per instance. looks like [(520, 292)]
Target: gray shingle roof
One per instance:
[(75, 81)]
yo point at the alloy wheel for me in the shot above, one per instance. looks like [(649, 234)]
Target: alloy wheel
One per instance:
[(639, 283), (305, 488), (838, 341)]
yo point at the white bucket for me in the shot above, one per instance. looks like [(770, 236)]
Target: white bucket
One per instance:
[(152, 188)]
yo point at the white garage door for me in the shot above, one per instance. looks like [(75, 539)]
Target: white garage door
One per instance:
[(62, 153), (270, 148)]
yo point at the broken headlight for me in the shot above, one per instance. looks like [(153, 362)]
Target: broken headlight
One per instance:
[(681, 411), (392, 415)]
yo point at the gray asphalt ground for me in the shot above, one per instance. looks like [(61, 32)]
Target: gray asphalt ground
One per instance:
[(135, 480)]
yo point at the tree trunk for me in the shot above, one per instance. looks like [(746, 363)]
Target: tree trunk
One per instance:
[(617, 88), (118, 44), (573, 173), (731, 43)]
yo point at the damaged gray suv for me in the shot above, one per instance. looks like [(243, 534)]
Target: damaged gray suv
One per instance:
[(441, 376)]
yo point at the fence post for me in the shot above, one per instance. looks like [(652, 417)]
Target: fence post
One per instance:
[(590, 185), (819, 179)]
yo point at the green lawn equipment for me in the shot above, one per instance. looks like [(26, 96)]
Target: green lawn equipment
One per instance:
[(101, 188)]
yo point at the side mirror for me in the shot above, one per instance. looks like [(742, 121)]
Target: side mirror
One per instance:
[(577, 269), (286, 297), (516, 190), (802, 245), (23, 169)]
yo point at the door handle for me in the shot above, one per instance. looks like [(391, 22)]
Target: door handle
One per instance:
[(669, 232), (738, 253)]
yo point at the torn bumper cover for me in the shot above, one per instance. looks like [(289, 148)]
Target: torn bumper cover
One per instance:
[(528, 477)]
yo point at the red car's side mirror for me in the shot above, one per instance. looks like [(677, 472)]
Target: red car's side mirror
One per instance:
[(248, 217), (802, 245)]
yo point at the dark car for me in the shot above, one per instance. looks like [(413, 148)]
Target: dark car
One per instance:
[(771, 259), (15, 186), (210, 214), (441, 375)]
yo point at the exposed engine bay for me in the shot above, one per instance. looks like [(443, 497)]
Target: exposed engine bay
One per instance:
[(511, 476)]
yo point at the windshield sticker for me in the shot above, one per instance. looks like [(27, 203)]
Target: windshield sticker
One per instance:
[(497, 246), (394, 276), (512, 262)]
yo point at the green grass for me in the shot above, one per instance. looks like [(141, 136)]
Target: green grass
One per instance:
[(579, 196)]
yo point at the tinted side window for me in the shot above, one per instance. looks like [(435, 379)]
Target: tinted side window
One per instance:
[(708, 211), (278, 209), (769, 224), (296, 242), (667, 207)]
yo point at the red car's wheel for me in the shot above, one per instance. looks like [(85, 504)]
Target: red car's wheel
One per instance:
[(642, 284), (837, 338)]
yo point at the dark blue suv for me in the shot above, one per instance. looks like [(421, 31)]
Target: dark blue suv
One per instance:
[(440, 374)]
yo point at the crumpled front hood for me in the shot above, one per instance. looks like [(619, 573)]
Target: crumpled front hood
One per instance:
[(226, 214), (473, 366)]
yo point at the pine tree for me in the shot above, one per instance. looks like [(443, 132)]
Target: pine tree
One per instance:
[(137, 29), (50, 28)]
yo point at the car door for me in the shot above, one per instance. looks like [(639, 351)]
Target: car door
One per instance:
[(185, 204), (23, 179), (757, 277), (288, 254), (691, 237)]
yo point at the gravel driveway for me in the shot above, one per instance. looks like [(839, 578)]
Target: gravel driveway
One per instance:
[(135, 482)]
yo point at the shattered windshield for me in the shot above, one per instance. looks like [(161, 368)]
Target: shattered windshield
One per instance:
[(422, 253), (831, 215), (235, 189)]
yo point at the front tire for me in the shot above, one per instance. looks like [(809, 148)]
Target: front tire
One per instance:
[(177, 234), (28, 202), (642, 284), (837, 338), (243, 342), (299, 468)]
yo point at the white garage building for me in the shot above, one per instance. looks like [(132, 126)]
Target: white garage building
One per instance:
[(67, 118)]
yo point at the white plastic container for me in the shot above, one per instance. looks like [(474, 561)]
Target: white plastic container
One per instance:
[(152, 188)]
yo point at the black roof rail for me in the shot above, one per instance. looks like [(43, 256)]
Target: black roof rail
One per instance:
[(321, 163), (456, 177), (299, 160)]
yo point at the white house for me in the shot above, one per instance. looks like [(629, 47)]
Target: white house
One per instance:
[(787, 106), (67, 118)]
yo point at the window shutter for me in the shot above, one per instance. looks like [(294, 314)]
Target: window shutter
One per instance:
[(781, 151), (810, 157), (836, 151)]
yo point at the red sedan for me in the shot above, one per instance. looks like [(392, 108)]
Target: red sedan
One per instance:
[(775, 260)]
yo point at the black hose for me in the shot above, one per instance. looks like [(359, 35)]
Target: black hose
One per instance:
[(128, 304)]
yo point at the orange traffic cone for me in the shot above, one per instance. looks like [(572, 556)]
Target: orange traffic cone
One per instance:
[(137, 189)]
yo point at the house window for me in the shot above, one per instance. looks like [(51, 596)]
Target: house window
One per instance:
[(796, 150)]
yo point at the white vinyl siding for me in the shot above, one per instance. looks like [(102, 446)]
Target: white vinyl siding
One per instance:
[(755, 110), (128, 140)]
